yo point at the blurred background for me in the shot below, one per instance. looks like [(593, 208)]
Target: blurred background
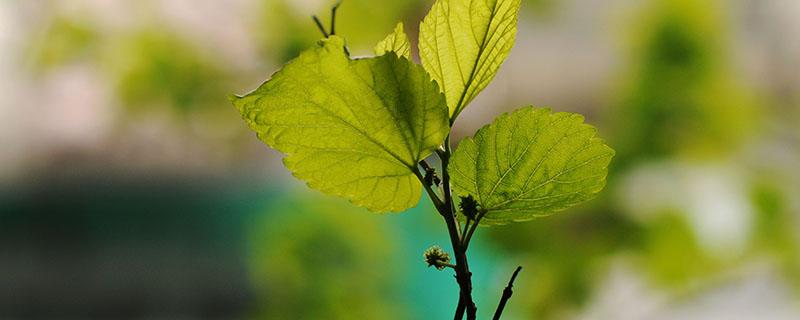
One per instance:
[(131, 189)]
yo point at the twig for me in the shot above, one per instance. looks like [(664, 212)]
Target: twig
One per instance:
[(466, 231), (319, 26), (470, 230), (437, 203), (507, 292), (463, 275), (448, 265), (333, 21), (333, 17)]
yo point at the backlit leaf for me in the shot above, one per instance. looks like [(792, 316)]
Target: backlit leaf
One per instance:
[(396, 42), (351, 128), (462, 44), (530, 163)]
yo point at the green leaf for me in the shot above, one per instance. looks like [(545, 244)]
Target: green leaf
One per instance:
[(530, 163), (396, 42), (462, 44), (351, 128)]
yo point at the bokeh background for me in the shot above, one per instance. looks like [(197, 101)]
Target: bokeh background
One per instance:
[(131, 189)]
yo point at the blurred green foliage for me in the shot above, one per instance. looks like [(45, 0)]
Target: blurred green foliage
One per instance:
[(65, 40), (543, 9), (154, 68), (670, 253), (774, 233), (681, 96), (150, 69), (324, 259)]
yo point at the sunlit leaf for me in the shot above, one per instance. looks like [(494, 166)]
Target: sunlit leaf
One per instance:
[(396, 42), (462, 44), (530, 163), (351, 128)]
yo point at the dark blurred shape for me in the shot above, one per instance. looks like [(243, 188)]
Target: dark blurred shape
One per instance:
[(100, 247)]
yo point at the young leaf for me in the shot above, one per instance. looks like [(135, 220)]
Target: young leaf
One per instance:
[(530, 163), (351, 128), (462, 44), (396, 42)]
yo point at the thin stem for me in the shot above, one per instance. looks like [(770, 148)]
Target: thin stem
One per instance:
[(466, 229), (463, 275), (448, 192), (471, 230), (440, 206), (333, 17), (449, 265), (320, 27), (507, 292)]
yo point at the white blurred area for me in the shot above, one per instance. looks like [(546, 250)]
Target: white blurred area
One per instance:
[(569, 61), (756, 295), (713, 198), (12, 137)]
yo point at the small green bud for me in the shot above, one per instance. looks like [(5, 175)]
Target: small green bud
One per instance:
[(436, 257)]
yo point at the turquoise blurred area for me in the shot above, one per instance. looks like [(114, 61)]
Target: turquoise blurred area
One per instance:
[(210, 247), (130, 188)]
